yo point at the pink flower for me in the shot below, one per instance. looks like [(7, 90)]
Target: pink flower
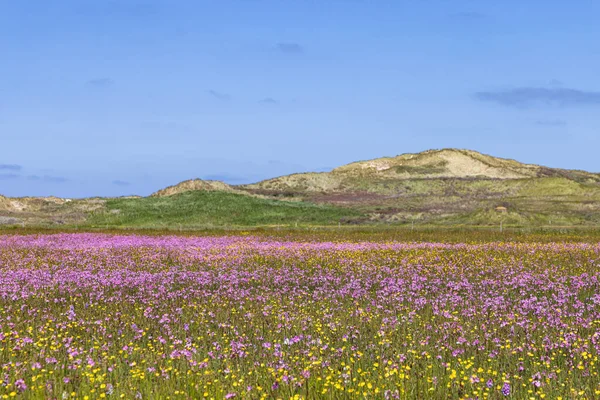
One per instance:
[(20, 385)]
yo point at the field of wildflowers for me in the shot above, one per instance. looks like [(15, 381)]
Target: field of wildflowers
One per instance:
[(91, 316)]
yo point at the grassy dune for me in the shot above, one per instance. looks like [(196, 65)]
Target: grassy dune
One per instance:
[(205, 209), (438, 188)]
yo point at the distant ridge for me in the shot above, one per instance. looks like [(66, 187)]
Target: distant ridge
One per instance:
[(452, 187), (462, 163), (430, 164), (380, 173)]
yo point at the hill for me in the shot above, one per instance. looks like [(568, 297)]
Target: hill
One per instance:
[(449, 186), (195, 184), (432, 164), (436, 187)]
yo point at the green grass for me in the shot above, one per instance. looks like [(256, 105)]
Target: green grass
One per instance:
[(208, 209)]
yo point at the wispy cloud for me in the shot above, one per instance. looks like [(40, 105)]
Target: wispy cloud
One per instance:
[(10, 167), (532, 96), (47, 178), (289, 48), (219, 95), (8, 176), (551, 122), (120, 183), (101, 82), (268, 100)]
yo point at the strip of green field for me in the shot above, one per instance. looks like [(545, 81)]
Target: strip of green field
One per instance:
[(209, 209)]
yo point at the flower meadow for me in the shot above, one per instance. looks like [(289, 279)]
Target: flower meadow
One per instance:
[(92, 315)]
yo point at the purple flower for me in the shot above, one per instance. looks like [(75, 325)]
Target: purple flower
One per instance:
[(71, 313), (489, 383), (506, 389), (230, 395), (537, 380), (20, 385)]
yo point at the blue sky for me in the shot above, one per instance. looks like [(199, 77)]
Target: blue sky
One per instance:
[(125, 97)]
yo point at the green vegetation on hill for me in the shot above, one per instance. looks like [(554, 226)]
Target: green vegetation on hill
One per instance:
[(205, 209)]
